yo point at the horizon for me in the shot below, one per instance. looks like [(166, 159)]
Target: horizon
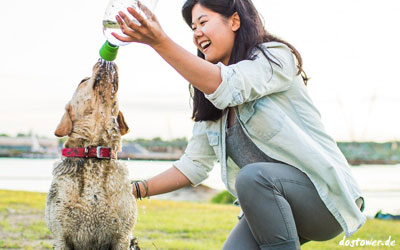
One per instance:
[(38, 136)]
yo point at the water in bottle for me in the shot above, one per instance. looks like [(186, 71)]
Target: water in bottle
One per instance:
[(114, 6)]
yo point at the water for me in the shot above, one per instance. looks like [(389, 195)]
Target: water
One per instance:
[(379, 183), (36, 174), (110, 27), (114, 6), (107, 72)]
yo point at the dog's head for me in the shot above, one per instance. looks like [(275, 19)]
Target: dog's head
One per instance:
[(92, 117)]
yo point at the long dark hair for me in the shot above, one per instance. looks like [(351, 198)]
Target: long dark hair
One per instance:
[(249, 36)]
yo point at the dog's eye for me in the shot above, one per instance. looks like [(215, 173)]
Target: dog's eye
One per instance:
[(84, 80)]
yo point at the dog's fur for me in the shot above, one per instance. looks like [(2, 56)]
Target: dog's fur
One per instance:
[(90, 204)]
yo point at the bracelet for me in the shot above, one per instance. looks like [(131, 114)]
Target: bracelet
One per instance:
[(146, 188), (138, 194)]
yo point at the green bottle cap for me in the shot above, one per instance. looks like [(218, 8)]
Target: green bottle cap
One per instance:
[(108, 51)]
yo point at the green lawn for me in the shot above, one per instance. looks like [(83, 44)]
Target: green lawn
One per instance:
[(161, 225)]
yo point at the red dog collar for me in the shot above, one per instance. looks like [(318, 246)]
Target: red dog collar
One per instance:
[(88, 152)]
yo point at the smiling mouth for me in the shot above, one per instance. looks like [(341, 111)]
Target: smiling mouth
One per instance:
[(205, 45)]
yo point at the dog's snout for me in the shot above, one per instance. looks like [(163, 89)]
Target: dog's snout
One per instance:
[(105, 75)]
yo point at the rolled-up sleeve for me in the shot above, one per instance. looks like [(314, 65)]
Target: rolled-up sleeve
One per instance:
[(248, 80), (199, 157)]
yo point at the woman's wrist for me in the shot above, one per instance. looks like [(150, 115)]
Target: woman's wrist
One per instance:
[(140, 189), (161, 43)]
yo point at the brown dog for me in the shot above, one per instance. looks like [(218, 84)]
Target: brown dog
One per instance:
[(90, 204)]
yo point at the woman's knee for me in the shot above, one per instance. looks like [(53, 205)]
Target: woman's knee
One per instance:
[(244, 177), (250, 176)]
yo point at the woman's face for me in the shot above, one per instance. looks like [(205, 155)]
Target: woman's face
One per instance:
[(213, 34)]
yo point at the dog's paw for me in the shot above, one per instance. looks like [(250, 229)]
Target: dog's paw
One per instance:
[(134, 244)]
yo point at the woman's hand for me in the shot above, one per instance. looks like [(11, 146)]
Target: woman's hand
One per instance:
[(149, 32)]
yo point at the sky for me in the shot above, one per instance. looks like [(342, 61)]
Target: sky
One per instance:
[(350, 50)]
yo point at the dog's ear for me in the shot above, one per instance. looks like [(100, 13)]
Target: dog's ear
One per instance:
[(123, 127), (65, 126)]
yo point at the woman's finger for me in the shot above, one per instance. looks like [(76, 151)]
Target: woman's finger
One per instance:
[(146, 10), (119, 21), (123, 38), (123, 26), (138, 17), (129, 22), (126, 30)]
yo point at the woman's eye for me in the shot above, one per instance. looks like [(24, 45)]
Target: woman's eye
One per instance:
[(202, 22)]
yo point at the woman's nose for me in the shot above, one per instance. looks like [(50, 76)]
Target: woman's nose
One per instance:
[(197, 33)]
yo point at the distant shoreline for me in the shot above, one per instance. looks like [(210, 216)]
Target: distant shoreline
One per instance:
[(355, 163), (372, 162), (156, 149)]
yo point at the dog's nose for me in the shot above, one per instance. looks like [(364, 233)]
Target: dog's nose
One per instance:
[(105, 77)]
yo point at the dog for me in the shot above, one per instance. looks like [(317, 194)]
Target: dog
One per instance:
[(90, 205)]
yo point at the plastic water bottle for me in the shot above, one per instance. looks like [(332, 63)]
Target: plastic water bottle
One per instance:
[(110, 48), (114, 6)]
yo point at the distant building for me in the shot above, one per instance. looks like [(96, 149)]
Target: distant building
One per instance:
[(18, 146), (133, 148)]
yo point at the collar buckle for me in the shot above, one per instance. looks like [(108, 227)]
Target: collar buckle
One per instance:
[(98, 152)]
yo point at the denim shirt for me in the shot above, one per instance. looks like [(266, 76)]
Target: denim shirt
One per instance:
[(273, 106)]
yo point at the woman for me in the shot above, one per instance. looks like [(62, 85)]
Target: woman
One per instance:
[(253, 114)]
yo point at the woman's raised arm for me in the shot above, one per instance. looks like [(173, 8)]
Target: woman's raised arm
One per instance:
[(204, 75)]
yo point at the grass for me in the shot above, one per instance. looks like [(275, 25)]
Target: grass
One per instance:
[(223, 197), (161, 225)]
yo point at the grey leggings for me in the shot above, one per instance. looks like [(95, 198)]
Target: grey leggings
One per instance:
[(282, 210)]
